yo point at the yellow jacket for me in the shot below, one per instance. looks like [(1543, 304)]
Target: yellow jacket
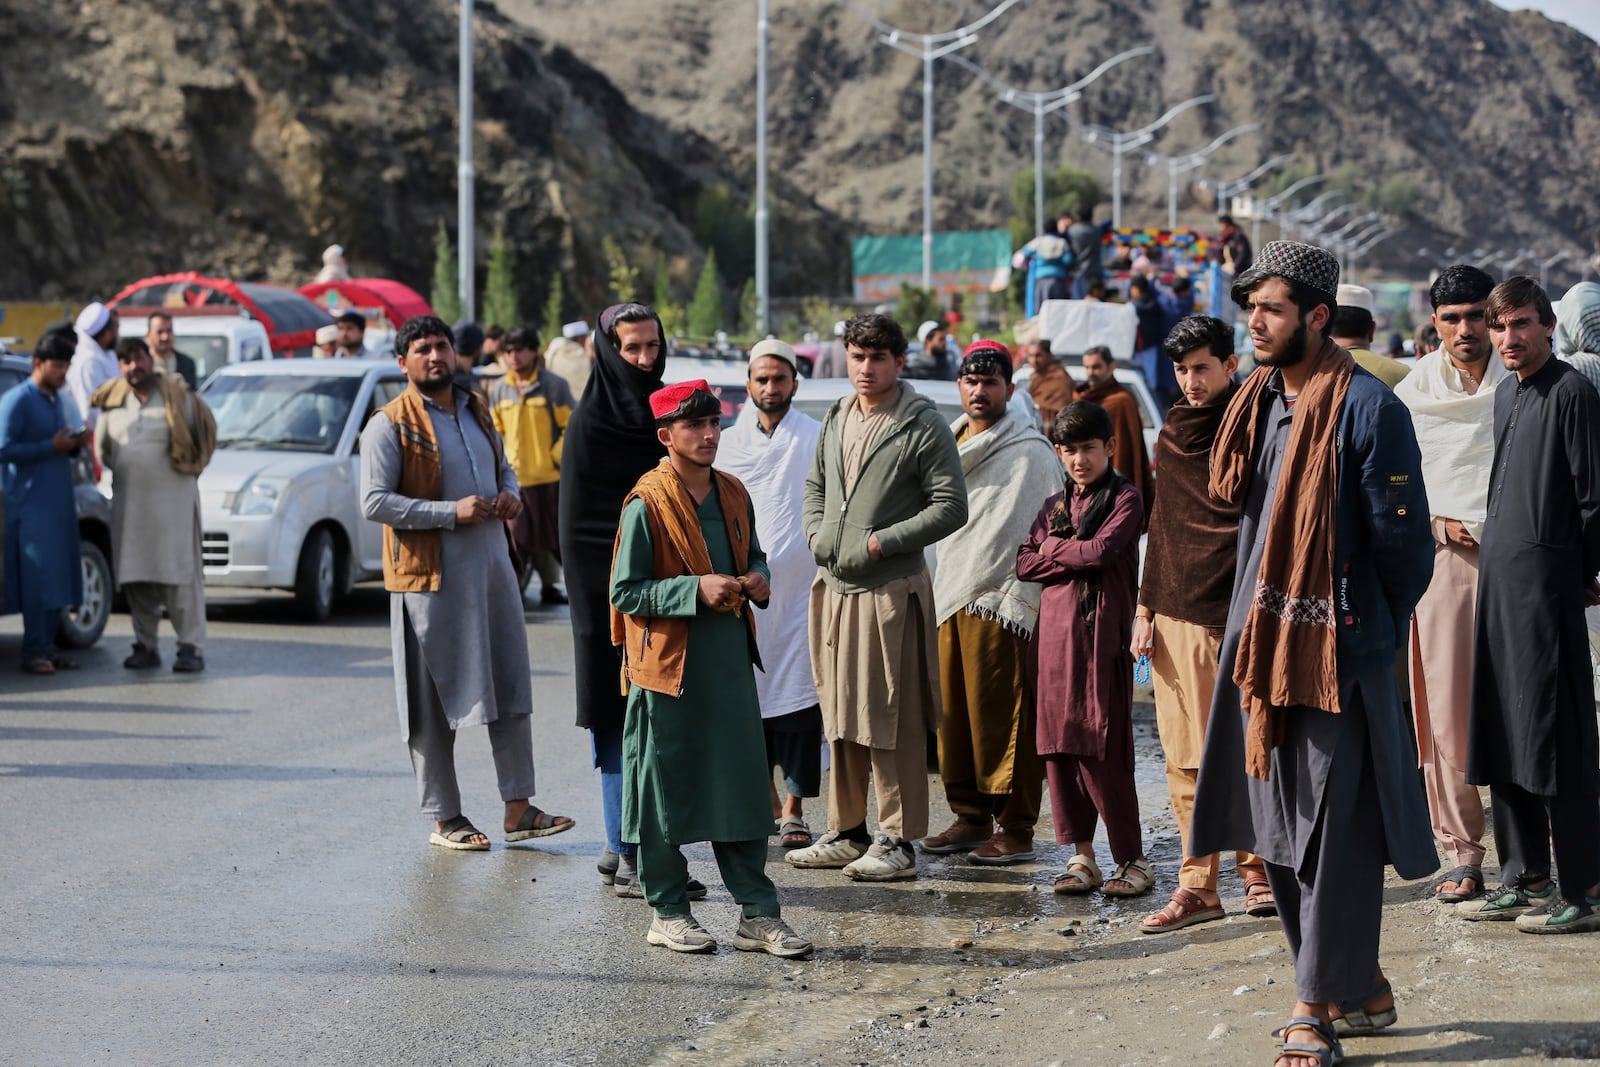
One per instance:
[(532, 419)]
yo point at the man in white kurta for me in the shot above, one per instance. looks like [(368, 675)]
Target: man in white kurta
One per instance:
[(94, 363), (770, 450), (1450, 394), (155, 508)]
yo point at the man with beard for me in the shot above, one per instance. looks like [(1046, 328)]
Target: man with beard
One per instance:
[(688, 568), (886, 484), (352, 327), (770, 450), (1049, 385), (164, 349), (1100, 386), (933, 363), (433, 473), (1183, 604), (1354, 329), (1306, 754), (988, 757), (609, 443), (155, 436), (1451, 395), (1532, 736), (94, 363), (38, 435)]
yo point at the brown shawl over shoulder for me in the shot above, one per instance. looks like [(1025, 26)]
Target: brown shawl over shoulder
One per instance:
[(1287, 648), (1194, 538)]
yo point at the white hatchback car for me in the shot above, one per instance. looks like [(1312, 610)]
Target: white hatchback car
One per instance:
[(281, 501)]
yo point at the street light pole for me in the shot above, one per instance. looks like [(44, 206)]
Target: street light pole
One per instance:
[(1041, 104), (1120, 141), (1545, 265), (929, 47), (763, 278), (1271, 205), (1179, 164), (465, 253)]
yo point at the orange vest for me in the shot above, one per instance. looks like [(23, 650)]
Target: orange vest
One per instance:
[(411, 557), (654, 648)]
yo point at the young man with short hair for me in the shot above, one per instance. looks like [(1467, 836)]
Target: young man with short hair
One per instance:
[(886, 484), (531, 408), (352, 327), (164, 349), (1533, 739), (1100, 386), (992, 775), (38, 435), (1451, 395), (687, 571)]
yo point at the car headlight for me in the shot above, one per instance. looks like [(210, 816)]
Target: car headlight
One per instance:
[(260, 497)]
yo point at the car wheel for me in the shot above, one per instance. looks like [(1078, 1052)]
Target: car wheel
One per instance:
[(316, 577), (82, 626)]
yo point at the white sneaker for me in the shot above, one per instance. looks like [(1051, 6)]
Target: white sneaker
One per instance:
[(888, 860), (831, 850)]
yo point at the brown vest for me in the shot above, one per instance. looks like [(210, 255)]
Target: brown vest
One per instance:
[(654, 648), (411, 557)]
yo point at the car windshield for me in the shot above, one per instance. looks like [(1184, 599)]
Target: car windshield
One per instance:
[(299, 413)]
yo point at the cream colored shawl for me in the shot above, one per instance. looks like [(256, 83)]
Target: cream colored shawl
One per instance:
[(1455, 431)]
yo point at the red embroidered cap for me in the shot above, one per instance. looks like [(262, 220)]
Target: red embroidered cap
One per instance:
[(665, 401)]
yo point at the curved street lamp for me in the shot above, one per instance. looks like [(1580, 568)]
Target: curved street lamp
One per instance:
[(1041, 104), (928, 47), (1185, 162), (1118, 142)]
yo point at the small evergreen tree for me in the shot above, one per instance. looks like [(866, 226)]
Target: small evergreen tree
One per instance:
[(446, 295), (749, 312), (705, 310), (552, 324), (500, 289), (624, 278), (915, 306), (666, 306)]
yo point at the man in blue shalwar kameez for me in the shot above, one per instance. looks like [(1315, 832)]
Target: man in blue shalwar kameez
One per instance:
[(43, 572)]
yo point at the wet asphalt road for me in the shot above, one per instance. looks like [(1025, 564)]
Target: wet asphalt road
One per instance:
[(229, 868)]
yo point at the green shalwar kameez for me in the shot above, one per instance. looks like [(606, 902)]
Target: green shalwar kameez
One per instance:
[(694, 766)]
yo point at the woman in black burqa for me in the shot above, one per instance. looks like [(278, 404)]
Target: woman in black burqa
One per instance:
[(610, 442)]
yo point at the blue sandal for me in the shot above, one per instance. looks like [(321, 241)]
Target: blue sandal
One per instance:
[(1325, 1057)]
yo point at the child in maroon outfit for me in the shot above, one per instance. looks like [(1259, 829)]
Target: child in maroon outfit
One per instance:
[(1084, 549)]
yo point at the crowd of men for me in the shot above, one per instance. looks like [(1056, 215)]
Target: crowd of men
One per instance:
[(748, 605)]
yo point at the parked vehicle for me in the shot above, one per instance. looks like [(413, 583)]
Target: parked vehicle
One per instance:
[(213, 340), (83, 625), (280, 503)]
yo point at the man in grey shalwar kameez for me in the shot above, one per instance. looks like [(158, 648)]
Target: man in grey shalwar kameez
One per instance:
[(1327, 792), (434, 473)]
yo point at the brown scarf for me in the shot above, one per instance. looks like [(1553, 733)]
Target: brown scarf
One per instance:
[(1287, 649), (192, 430)]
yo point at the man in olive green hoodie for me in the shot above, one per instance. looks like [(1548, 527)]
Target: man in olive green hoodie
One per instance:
[(885, 485)]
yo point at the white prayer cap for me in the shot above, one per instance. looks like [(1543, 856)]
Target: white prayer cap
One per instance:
[(925, 329), (777, 350), (1355, 296), (327, 335), (574, 330), (93, 319), (838, 328), (332, 252)]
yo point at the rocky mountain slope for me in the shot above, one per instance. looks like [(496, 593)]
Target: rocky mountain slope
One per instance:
[(243, 136), (1495, 114)]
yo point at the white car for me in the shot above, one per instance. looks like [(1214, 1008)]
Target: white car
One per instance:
[(280, 503)]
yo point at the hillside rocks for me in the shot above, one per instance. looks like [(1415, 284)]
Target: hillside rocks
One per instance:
[(243, 136)]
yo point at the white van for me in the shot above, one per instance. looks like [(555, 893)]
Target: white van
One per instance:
[(212, 341)]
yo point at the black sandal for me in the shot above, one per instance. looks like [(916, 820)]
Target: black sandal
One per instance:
[(1459, 875)]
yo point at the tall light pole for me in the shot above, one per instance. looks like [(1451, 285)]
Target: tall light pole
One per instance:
[(763, 293), (1546, 264), (1183, 163), (1271, 205), (1225, 190), (465, 253), (1041, 104), (929, 47), (1118, 142)]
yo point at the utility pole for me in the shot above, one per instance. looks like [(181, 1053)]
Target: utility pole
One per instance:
[(465, 254), (763, 283), (1184, 162), (929, 47), (1118, 142)]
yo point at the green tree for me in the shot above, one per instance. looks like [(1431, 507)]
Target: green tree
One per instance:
[(553, 320), (915, 306), (705, 310), (623, 277), (666, 304), (446, 294), (1066, 190), (500, 288), (724, 226), (749, 311)]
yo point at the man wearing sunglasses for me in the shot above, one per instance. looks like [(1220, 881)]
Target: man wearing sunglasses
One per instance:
[(1451, 397)]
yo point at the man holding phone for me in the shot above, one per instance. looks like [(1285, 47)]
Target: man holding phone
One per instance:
[(39, 432)]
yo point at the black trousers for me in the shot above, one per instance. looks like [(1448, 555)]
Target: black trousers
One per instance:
[(1525, 825)]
